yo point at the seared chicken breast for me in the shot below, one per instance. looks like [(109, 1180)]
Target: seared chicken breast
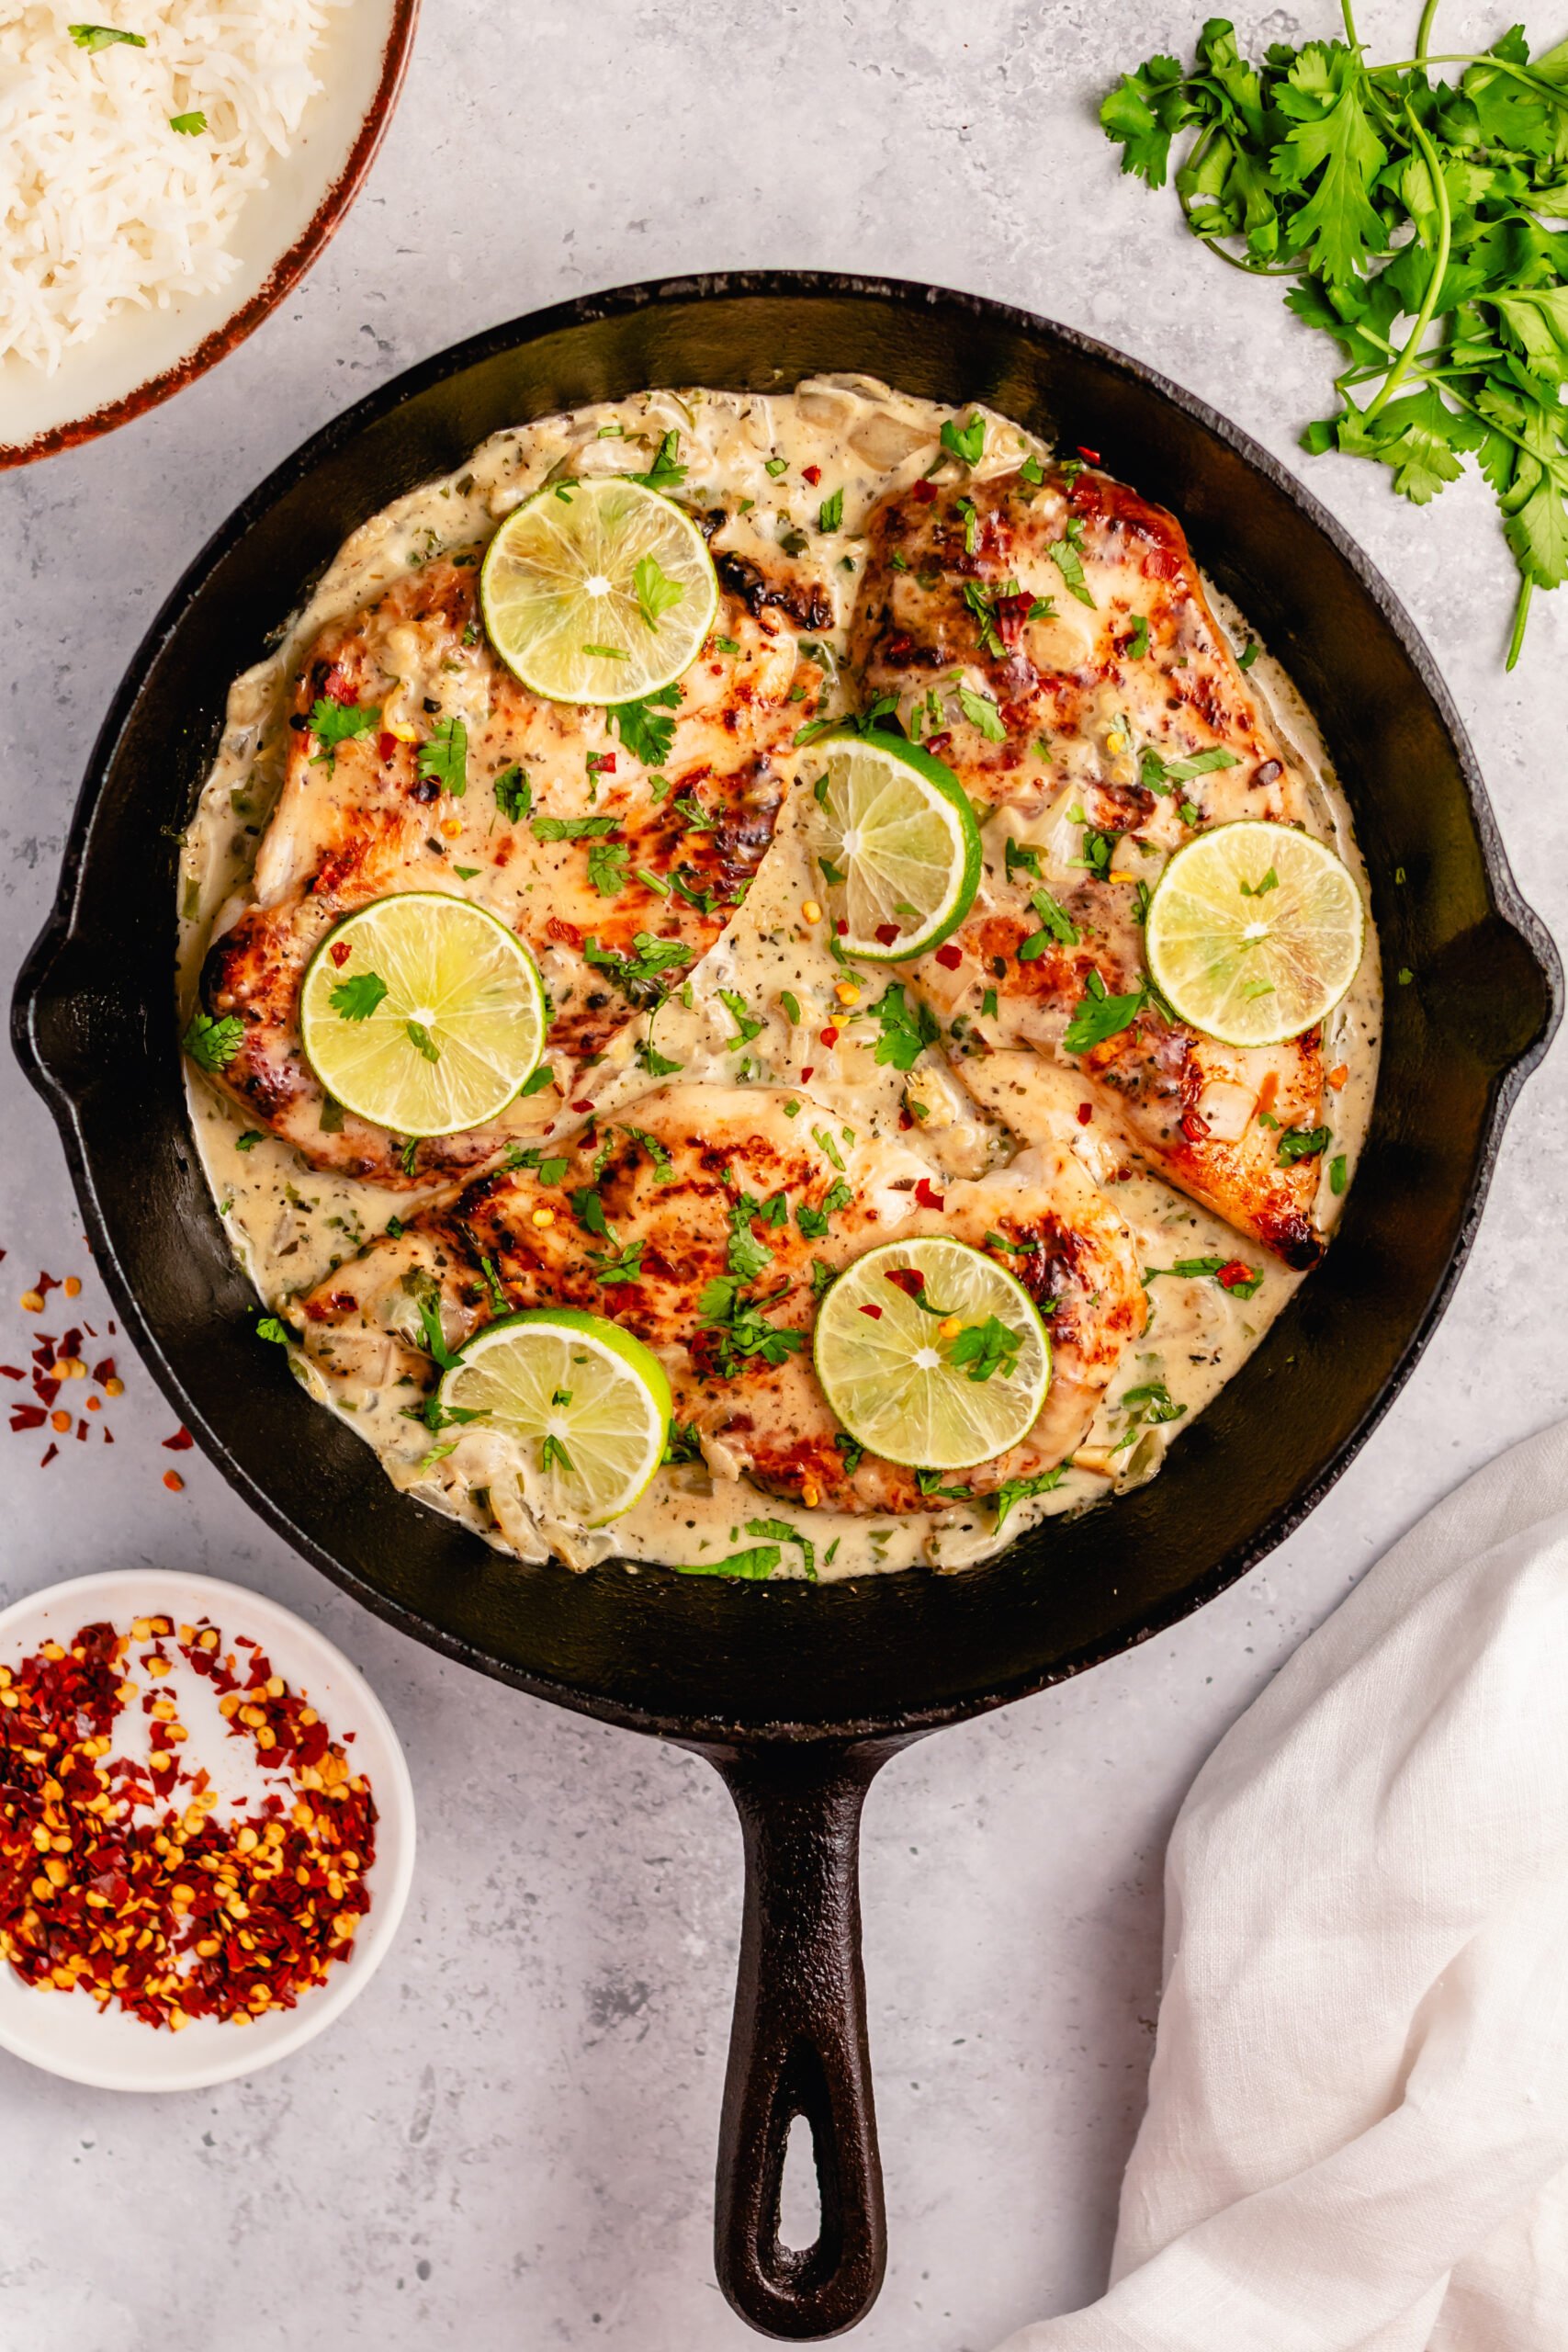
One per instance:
[(1046, 635), (708, 1220), (618, 846)]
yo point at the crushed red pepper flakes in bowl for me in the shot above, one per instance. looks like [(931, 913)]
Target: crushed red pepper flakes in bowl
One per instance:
[(119, 1880)]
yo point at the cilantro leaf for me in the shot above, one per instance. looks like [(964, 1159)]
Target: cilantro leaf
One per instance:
[(965, 441), (981, 711), (666, 471), (213, 1044), (357, 997), (514, 795), (607, 863), (573, 829), (646, 736), (656, 593), (96, 37), (906, 1029), (1098, 1016), (1055, 925), (1302, 1143), (332, 723), (758, 1561), (1020, 1490)]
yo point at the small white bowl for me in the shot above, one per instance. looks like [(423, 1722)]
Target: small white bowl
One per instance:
[(64, 2032), (142, 357)]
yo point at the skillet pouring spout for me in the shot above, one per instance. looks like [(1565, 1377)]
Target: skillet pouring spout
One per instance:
[(798, 1693)]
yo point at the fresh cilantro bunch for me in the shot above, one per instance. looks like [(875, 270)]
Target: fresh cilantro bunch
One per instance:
[(1411, 213)]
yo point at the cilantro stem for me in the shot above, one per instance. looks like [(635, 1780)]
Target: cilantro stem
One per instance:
[(1424, 29), (1402, 365), (1521, 614)]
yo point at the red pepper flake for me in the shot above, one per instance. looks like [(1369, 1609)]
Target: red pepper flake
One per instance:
[(105, 1371), (806, 1072), (49, 1457), (831, 1035), (1194, 1127), (813, 474), (1162, 563), (900, 645), (923, 492), (1086, 1113), (180, 1440), (386, 746), (13, 1371), (27, 1416), (875, 1312), (604, 763), (340, 951), (142, 1896), (939, 742), (907, 1279), (841, 926), (1090, 457), (949, 957), (929, 1198), (1234, 1272), (580, 1106), (81, 1430), (886, 932)]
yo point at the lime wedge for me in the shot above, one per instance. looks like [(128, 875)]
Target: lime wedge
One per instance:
[(588, 1405), (942, 1379), (597, 591), (1254, 933), (422, 1013), (894, 842)]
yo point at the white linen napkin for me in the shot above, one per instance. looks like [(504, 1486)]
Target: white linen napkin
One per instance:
[(1356, 2134)]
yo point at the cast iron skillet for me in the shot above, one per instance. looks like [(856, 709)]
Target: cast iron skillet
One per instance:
[(797, 1694)]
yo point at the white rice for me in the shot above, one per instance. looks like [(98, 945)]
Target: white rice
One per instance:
[(102, 203)]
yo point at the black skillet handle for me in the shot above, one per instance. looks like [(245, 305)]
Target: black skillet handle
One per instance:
[(798, 2046)]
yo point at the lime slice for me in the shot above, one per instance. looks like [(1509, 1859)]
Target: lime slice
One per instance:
[(422, 1013), (1254, 933), (939, 1390), (597, 591), (588, 1404), (895, 841)]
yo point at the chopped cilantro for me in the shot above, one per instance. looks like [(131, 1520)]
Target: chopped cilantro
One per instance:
[(514, 794), (656, 593), (965, 441), (607, 863), (647, 735), (445, 756), (357, 997), (1098, 1016), (213, 1044), (332, 723)]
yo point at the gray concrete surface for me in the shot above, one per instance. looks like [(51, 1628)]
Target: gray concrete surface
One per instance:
[(508, 2145)]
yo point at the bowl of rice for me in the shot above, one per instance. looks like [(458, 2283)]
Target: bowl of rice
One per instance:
[(168, 170)]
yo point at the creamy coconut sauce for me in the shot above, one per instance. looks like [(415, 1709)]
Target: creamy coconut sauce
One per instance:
[(291, 1224)]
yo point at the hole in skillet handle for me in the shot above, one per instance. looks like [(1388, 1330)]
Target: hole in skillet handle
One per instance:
[(798, 2043)]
